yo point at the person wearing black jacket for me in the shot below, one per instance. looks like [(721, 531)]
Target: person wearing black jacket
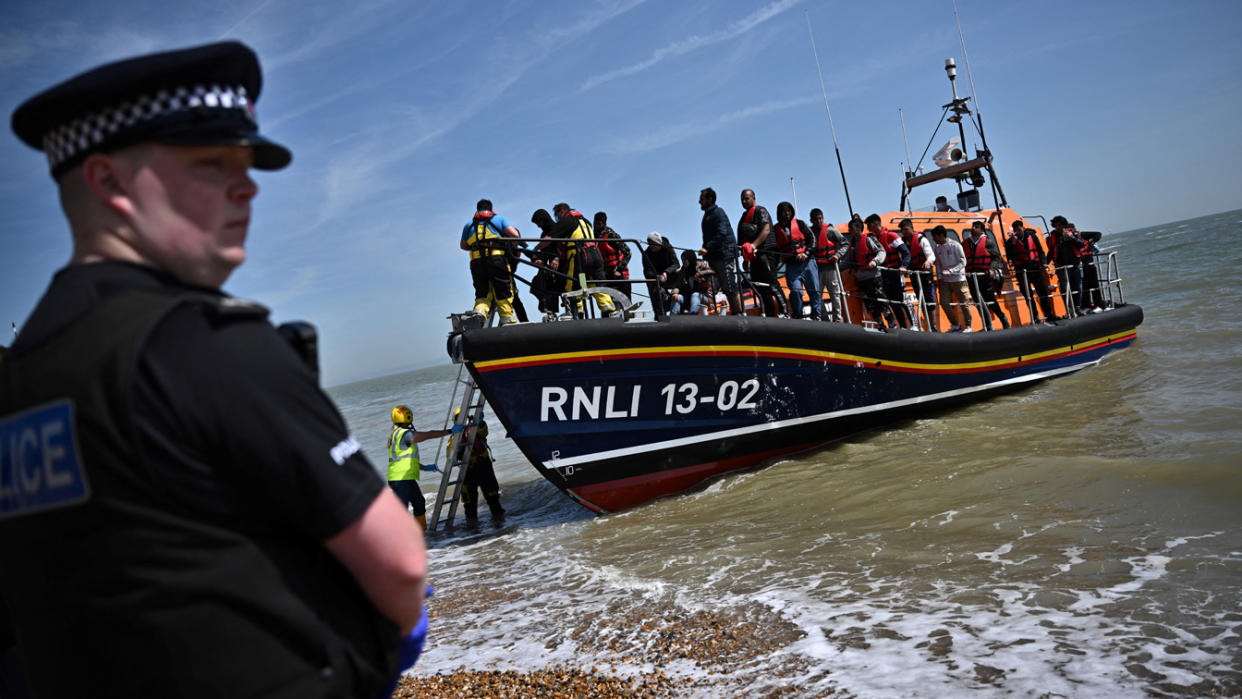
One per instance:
[(1065, 249), (545, 285), (1026, 254), (1092, 296), (796, 244), (579, 256), (720, 248), (983, 267), (831, 248), (892, 273), (754, 228), (615, 252), (660, 265)]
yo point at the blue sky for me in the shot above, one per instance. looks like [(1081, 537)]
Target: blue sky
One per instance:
[(401, 115)]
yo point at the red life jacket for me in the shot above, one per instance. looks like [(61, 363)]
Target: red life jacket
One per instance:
[(1054, 249), (978, 259), (1084, 247), (917, 258), (861, 253), (890, 241), (747, 217), (825, 247), (791, 242), (612, 254), (1030, 250)]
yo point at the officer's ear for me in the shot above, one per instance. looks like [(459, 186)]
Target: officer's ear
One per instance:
[(104, 175)]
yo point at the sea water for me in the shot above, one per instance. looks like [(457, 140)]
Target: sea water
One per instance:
[(1079, 538)]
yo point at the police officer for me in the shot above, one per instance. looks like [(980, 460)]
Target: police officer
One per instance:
[(187, 514), (404, 465)]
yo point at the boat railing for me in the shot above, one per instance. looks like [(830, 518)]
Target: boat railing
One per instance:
[(1022, 280), (978, 281), (1113, 294), (583, 301), (921, 314), (1104, 291), (924, 309)]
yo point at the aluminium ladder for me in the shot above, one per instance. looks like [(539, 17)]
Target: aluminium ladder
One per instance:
[(469, 402)]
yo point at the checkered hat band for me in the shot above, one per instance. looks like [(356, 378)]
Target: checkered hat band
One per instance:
[(87, 133)]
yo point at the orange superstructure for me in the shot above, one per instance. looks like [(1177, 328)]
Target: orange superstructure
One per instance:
[(997, 222)]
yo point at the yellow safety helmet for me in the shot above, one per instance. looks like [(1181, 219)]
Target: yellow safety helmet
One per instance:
[(402, 415)]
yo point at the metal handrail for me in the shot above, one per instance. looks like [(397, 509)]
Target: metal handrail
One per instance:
[(1110, 281)]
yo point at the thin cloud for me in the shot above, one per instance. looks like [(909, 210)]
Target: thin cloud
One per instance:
[(228, 33), (293, 284), (693, 43), (370, 158), (677, 133), (88, 46)]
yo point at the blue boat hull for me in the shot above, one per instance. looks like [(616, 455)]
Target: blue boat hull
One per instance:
[(616, 414)]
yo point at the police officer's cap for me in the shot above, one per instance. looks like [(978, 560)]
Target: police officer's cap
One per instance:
[(199, 96)]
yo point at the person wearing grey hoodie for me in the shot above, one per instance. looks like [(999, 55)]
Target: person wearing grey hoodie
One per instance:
[(951, 280)]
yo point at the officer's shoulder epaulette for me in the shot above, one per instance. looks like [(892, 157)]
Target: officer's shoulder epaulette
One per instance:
[(230, 308)]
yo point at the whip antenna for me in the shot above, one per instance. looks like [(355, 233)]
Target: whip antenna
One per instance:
[(969, 76), (997, 192), (826, 109), (904, 173), (902, 118)]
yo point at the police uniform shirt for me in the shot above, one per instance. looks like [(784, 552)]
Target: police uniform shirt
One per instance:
[(254, 469)]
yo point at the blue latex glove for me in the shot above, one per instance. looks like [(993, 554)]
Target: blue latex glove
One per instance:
[(411, 646), (429, 467), (457, 428)]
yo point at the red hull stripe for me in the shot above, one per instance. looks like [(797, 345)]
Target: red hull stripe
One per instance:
[(708, 351), (622, 493)]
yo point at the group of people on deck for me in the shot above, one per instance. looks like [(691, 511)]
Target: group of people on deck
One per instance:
[(811, 256)]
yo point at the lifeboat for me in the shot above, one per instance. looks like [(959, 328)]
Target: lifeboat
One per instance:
[(619, 411)]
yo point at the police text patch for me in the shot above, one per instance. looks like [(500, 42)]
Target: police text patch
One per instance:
[(40, 466)]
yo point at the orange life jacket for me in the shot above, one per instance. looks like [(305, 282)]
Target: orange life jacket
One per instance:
[(978, 259), (825, 247), (790, 242)]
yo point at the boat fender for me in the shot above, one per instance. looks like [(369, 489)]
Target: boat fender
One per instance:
[(454, 348)]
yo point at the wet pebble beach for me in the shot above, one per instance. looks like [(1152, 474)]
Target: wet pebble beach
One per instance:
[(640, 650)]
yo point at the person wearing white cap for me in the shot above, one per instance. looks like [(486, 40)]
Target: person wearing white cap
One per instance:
[(660, 265)]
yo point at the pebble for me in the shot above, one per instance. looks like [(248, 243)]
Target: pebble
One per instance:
[(551, 682), (661, 638)]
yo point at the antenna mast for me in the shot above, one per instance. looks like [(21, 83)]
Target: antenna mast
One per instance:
[(824, 90), (998, 194), (905, 140), (969, 75)]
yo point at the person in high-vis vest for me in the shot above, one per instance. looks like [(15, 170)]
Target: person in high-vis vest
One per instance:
[(484, 238), (404, 466)]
